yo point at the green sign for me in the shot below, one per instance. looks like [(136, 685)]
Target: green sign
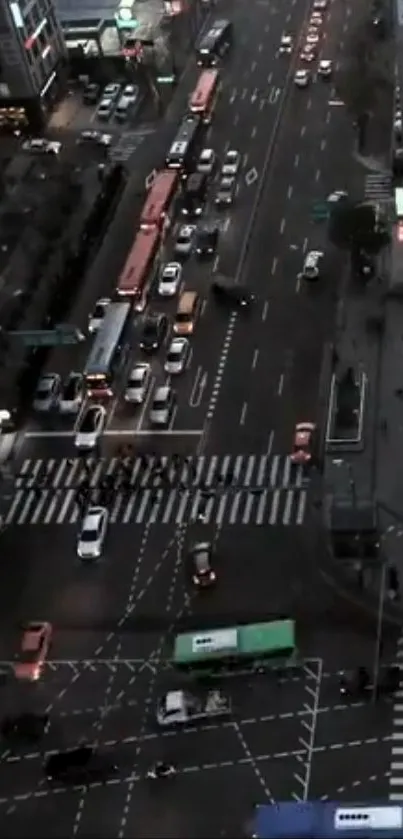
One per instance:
[(165, 79), (62, 335), (320, 211)]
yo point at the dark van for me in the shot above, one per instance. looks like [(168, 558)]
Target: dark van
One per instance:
[(194, 195)]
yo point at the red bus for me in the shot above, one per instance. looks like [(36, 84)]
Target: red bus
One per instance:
[(159, 206), (139, 267), (203, 98)]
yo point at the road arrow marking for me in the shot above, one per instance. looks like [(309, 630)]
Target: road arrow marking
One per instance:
[(251, 177)]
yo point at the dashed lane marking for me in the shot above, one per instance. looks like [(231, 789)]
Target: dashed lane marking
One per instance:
[(196, 768)]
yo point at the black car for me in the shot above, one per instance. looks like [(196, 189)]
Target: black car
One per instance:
[(26, 727), (207, 240), (357, 684), (155, 328), (228, 292), (91, 93), (80, 765)]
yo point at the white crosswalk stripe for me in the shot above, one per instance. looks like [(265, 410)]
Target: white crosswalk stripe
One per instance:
[(225, 489), (396, 767), (378, 187)]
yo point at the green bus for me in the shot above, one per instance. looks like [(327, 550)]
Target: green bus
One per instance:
[(257, 645)]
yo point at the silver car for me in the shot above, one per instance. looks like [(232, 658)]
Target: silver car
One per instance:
[(138, 384), (177, 357), (184, 240), (105, 108), (47, 392), (92, 534), (231, 164), (226, 191), (162, 406)]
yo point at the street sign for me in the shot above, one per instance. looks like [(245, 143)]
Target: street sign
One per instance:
[(320, 211), (166, 79), (61, 335)]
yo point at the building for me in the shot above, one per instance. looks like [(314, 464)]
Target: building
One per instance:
[(32, 62)]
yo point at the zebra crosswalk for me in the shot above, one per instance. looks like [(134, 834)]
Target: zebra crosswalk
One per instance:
[(396, 767), (227, 489), (378, 187)]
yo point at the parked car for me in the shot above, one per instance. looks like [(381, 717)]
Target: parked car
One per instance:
[(91, 93), (72, 394)]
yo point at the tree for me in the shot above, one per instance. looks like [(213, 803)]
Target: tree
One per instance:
[(358, 228)]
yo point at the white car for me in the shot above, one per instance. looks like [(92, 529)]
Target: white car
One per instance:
[(316, 19), (325, 69), (72, 394), (47, 392), (105, 108), (309, 53), (302, 78), (206, 162), (138, 384), (184, 239), (336, 196), (170, 279), (90, 427), (177, 357), (312, 35), (162, 406), (286, 45), (130, 93), (226, 191), (96, 137), (312, 265), (92, 534), (231, 165), (111, 91), (319, 5), (98, 314), (41, 146)]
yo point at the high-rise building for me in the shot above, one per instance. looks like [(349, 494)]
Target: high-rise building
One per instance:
[(32, 61)]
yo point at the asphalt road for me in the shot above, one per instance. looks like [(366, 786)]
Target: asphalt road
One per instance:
[(263, 528)]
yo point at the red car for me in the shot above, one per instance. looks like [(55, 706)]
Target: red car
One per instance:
[(302, 450), (34, 650)]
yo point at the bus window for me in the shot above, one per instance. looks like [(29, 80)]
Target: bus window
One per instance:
[(140, 267), (204, 97), (106, 351), (254, 644), (158, 210)]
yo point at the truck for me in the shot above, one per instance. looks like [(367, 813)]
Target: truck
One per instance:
[(181, 707)]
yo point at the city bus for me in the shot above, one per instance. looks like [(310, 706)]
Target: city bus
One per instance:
[(140, 267), (215, 43), (106, 351), (159, 208), (326, 820), (204, 97), (257, 644), (185, 147)]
